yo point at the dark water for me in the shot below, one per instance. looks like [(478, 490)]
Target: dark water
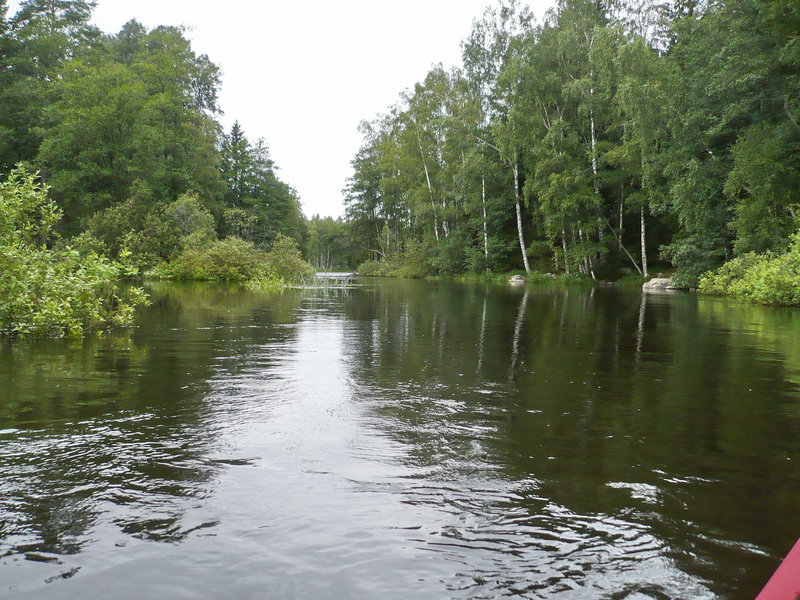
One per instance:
[(404, 440)]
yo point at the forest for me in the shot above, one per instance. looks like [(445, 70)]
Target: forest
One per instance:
[(613, 139), (115, 166)]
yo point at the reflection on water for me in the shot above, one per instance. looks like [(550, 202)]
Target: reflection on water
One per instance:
[(404, 439)]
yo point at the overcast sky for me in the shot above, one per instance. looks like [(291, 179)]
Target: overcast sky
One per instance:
[(302, 74)]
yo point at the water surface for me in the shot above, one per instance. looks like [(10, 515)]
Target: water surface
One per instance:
[(423, 440)]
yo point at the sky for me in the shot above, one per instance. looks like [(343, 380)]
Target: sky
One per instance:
[(302, 74)]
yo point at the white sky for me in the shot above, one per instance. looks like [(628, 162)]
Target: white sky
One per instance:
[(303, 74)]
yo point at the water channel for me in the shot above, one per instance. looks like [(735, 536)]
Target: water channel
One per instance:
[(404, 439)]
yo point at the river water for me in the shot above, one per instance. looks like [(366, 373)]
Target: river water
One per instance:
[(422, 440)]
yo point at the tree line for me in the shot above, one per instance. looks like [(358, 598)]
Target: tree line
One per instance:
[(614, 135), (121, 127)]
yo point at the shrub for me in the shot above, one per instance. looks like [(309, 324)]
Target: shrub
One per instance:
[(234, 259), (285, 262), (52, 292), (413, 263), (761, 278), (231, 259)]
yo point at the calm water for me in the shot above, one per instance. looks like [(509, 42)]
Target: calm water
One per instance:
[(404, 440)]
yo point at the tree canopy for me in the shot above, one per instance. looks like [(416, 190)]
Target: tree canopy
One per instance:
[(610, 136)]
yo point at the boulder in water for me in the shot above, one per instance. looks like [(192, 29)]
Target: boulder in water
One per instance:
[(657, 284)]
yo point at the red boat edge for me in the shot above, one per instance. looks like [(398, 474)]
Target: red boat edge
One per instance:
[(785, 582)]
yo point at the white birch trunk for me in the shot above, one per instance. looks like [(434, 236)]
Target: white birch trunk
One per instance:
[(644, 246), (621, 206), (522, 246), (587, 261), (430, 190), (595, 182)]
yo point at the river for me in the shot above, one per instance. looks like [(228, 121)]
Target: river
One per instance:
[(404, 439)]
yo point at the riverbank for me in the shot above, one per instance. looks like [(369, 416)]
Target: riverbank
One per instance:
[(767, 279)]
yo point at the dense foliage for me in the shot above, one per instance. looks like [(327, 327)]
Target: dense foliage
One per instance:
[(122, 127), (46, 292), (766, 278), (235, 259), (615, 133)]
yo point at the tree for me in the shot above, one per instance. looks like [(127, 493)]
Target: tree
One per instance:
[(264, 206), (139, 113), (34, 44)]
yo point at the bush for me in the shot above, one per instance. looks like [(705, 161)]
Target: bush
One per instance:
[(285, 262), (448, 256), (151, 231), (411, 264), (52, 292), (234, 259), (231, 259), (762, 278)]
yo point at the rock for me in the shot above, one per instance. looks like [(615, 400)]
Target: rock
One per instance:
[(657, 284), (517, 280)]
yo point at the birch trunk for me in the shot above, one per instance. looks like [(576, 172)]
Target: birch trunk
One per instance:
[(430, 189), (587, 261), (519, 219), (595, 183), (621, 205), (644, 246)]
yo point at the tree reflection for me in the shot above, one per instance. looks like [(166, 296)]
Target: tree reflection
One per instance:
[(118, 431), (672, 412)]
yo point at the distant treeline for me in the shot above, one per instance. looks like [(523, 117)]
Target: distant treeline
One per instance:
[(123, 130), (615, 133)]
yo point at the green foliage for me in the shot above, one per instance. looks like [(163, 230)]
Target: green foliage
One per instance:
[(231, 259), (284, 261), (413, 263), (763, 186), (330, 246), (193, 220), (260, 207), (449, 256), (52, 292), (237, 260), (762, 278), (152, 232), (137, 110), (27, 214), (611, 130), (625, 130)]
